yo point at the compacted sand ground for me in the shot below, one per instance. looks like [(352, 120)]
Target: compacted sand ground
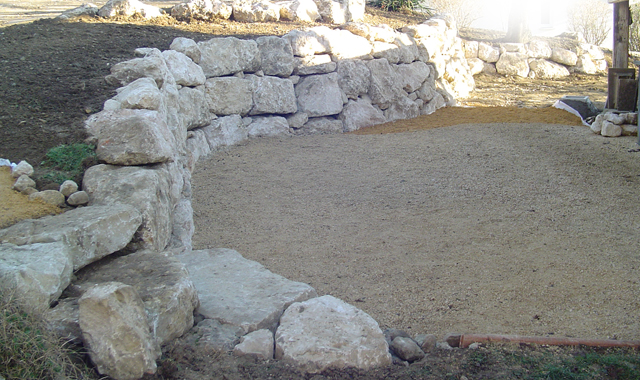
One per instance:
[(486, 228)]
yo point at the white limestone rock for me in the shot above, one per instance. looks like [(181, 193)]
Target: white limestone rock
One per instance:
[(148, 189), (226, 131), (413, 75), (359, 114), (194, 107), (476, 65), (319, 95), (488, 53), (268, 126), (131, 137), (128, 8), (471, 49), (382, 33), (586, 65), (515, 64), (206, 10), (408, 50), (321, 126), (314, 64), (230, 55), (277, 56), (610, 129), (151, 66), (385, 85), (197, 147), (184, 70), (68, 187), (23, 168), (629, 129), (402, 108), (115, 329), (596, 126), (23, 183), (539, 49), (79, 198), (257, 344), (186, 46), (229, 95), (38, 273), (272, 95), (297, 120), (563, 56), (258, 11), (299, 10), (353, 77), (327, 333), (343, 44), (183, 228), (388, 51), (341, 11), (52, 197), (240, 292), (548, 70), (88, 9), (142, 93), (306, 43)]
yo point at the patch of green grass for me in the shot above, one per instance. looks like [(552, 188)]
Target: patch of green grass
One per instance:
[(400, 5), (66, 162)]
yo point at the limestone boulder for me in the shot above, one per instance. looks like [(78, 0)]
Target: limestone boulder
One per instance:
[(183, 228), (184, 70), (52, 197), (341, 11), (319, 95), (272, 95), (22, 168), (88, 233), (259, 11), (299, 10), (515, 64), (225, 131), (385, 88), (128, 8), (314, 64), (186, 46), (229, 55), (148, 189), (563, 56), (257, 344), (512, 47), (407, 349), (151, 66), (413, 75), (353, 78), (206, 10), (610, 129), (327, 333), (63, 319), (23, 182), (402, 108), (488, 53), (408, 50), (343, 44), (306, 43), (115, 330), (142, 93), (194, 107), (68, 187), (388, 51), (213, 335), (131, 137), (321, 126), (544, 69), (88, 9), (539, 49), (476, 65), (277, 56), (586, 65), (382, 33), (240, 292), (471, 49), (229, 95), (197, 147), (297, 120), (359, 114), (268, 126), (37, 273)]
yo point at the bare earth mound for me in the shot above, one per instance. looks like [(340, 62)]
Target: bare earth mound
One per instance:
[(490, 228)]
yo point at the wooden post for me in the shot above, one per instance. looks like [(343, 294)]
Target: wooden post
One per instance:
[(621, 20)]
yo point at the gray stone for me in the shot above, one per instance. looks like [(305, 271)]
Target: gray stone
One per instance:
[(240, 292), (151, 66), (183, 227), (299, 10), (360, 114), (87, 9), (89, 233), (272, 95), (255, 11), (257, 344), (206, 10), (23, 182), (353, 78), (194, 107), (314, 64), (297, 120), (128, 8), (407, 349), (306, 43), (184, 70), (408, 48), (214, 335), (79, 198), (427, 342), (23, 168), (327, 333), (319, 95), (277, 56), (385, 86), (544, 69), (38, 273), (115, 329), (386, 50), (268, 126), (402, 108), (471, 49), (225, 131), (610, 129), (412, 75), (230, 55), (515, 64), (148, 189), (63, 319), (187, 46), (52, 197), (229, 95), (565, 57), (142, 93), (68, 187), (322, 126)]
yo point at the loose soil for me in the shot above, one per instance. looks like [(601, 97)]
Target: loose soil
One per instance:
[(474, 228)]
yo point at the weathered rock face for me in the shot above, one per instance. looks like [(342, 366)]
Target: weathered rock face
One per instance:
[(299, 10), (194, 108), (145, 188), (306, 43), (539, 49), (547, 70), (128, 8), (23, 182), (38, 273), (151, 66), (563, 56), (114, 327), (314, 64), (319, 95), (268, 126), (87, 9), (187, 47), (23, 168), (88, 233), (384, 89), (360, 114), (225, 131), (201, 10), (131, 137), (325, 333), (513, 64), (214, 335), (340, 12), (184, 70), (272, 95), (225, 56), (257, 344), (277, 56), (353, 78), (259, 11), (321, 126), (52, 197), (229, 95), (240, 292), (488, 53), (407, 349)]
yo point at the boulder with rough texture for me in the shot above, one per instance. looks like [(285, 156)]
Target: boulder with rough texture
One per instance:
[(297, 120), (23, 182), (299, 10), (257, 344), (152, 66), (610, 129), (544, 69), (184, 70), (142, 93), (229, 55), (63, 320), (186, 46), (272, 95), (194, 107), (402, 108), (52, 197), (388, 51), (539, 49), (131, 137), (325, 333), (471, 49), (163, 284), (114, 327), (148, 189), (277, 56), (183, 227), (319, 95), (68, 187), (314, 64), (385, 86), (343, 44), (240, 292), (306, 43), (563, 56), (427, 342), (206, 10), (353, 78), (89, 233), (38, 273), (586, 65), (412, 75), (341, 11), (229, 95), (321, 126), (79, 198), (360, 114), (476, 65), (268, 126), (214, 335), (23, 168), (128, 8), (87, 9), (408, 50), (258, 11), (488, 53), (515, 64), (407, 349), (225, 131)]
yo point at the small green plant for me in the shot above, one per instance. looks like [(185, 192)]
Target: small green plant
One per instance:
[(66, 161), (401, 5)]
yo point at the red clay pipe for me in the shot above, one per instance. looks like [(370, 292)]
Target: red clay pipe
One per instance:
[(464, 340)]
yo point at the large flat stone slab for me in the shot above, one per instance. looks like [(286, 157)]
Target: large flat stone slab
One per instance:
[(241, 292)]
